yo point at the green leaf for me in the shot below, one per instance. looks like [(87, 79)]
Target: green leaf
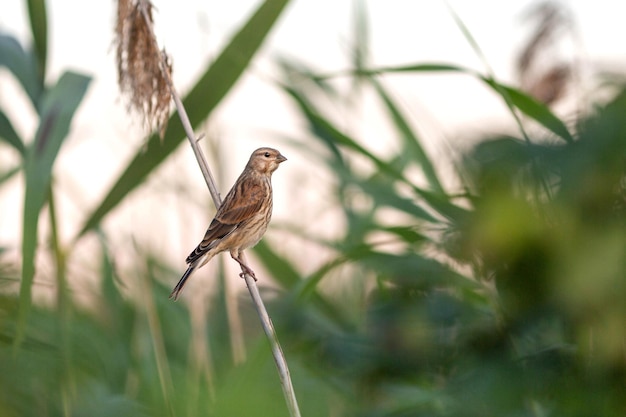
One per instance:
[(333, 137), (199, 103), (413, 270), (286, 274), (442, 205), (110, 293), (410, 139), (384, 194), (39, 28), (57, 110), (8, 174), (408, 234), (22, 64), (318, 125), (283, 271), (348, 253), (426, 67), (10, 136), (512, 96), (532, 108)]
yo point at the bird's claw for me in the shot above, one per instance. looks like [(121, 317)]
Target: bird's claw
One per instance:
[(249, 272)]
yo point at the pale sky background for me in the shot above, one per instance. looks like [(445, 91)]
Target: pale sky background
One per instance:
[(318, 32)]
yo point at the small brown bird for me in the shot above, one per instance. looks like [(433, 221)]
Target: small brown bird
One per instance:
[(242, 219)]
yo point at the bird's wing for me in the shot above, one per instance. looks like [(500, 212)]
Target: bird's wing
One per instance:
[(234, 210), (244, 203)]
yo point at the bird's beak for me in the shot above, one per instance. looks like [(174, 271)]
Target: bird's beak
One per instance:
[(280, 158)]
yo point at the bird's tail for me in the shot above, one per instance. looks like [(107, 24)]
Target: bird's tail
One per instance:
[(181, 283)]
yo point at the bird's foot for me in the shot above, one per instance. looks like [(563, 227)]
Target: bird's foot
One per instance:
[(246, 269), (248, 272)]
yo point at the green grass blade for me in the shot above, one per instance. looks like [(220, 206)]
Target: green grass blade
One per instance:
[(39, 28), (334, 138), (532, 108), (286, 275), (319, 128), (199, 103), (8, 174), (22, 64), (410, 139), (412, 270), (526, 104), (283, 271), (425, 67), (513, 97), (384, 194), (470, 39), (9, 135), (57, 110), (347, 254), (331, 135)]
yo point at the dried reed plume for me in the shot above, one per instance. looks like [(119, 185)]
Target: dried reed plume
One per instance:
[(139, 63), (541, 74)]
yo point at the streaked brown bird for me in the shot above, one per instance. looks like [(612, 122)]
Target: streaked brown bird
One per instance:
[(241, 220)]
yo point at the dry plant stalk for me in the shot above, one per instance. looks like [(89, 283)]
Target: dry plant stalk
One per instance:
[(139, 63), (146, 76)]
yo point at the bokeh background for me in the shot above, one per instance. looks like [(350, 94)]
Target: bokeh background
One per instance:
[(449, 235)]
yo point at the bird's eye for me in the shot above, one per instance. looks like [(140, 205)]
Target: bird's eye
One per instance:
[(267, 154)]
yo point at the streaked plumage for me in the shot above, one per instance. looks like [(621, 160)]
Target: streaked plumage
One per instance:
[(242, 219)]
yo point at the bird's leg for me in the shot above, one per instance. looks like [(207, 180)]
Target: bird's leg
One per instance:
[(246, 268)]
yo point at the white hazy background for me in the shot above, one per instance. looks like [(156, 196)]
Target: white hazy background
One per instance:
[(168, 215)]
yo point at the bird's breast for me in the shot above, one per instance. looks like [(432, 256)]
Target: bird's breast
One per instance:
[(254, 228)]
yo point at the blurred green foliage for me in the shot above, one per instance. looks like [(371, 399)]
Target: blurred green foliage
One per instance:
[(505, 299)]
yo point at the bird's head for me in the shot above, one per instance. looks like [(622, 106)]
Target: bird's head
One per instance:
[(265, 160)]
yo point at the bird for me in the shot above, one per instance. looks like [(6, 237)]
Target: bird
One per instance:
[(242, 218)]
